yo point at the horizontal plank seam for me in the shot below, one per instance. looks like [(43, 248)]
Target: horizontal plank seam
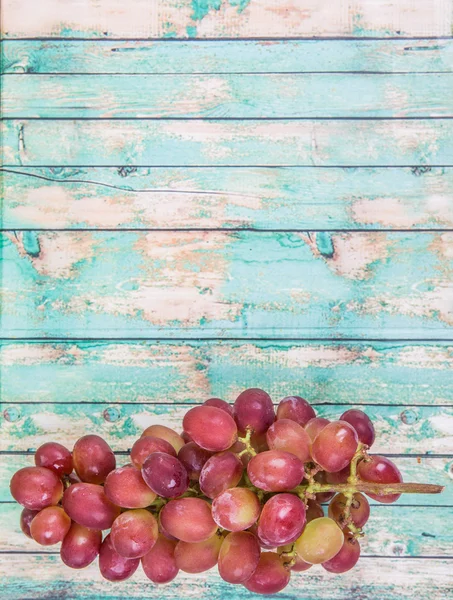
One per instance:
[(412, 230), (31, 452), (173, 73), (227, 119), (203, 40), (333, 340), (186, 404), (12, 167)]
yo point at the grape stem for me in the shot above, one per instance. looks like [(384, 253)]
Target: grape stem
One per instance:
[(381, 489), (249, 449)]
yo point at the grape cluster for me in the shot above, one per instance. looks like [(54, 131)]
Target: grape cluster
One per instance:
[(241, 487)]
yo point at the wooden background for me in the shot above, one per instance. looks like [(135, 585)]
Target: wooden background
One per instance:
[(201, 196)]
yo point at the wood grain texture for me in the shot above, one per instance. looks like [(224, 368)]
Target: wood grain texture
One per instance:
[(41, 577), (225, 18), (219, 284), (367, 373), (418, 430), (423, 468), (240, 56), (208, 198), (233, 142)]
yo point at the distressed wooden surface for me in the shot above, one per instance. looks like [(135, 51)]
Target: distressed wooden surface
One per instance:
[(368, 373), (226, 18), (138, 142), (261, 96), (208, 198), (240, 56), (224, 284)]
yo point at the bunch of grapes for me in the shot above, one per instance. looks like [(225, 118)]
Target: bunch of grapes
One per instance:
[(241, 487)]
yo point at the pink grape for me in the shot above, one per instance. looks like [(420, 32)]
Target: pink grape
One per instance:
[(282, 520), (188, 519), (87, 505), (275, 471), (315, 426), (334, 446), (362, 424), (346, 558), (321, 540), (193, 458), (236, 509), (221, 471), (218, 403), (359, 511), (36, 487), (93, 459), (340, 476), (253, 409), (379, 469), (55, 457), (114, 567), (145, 446), (134, 533), (80, 546), (289, 436), (270, 576), (26, 517), (50, 526), (210, 427), (239, 557), (199, 557), (165, 475), (167, 434), (159, 564), (126, 487), (295, 408)]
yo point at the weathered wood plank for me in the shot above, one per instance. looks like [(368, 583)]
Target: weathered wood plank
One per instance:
[(240, 56), (399, 430), (232, 18), (422, 469), (323, 372), (41, 577), (262, 198), (263, 96), (235, 284), (232, 142)]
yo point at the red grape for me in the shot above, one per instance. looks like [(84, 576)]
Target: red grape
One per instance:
[(80, 546), (362, 424), (313, 510), (113, 566), (218, 403), (282, 520), (193, 458), (346, 558), (165, 475), (289, 436), (188, 519), (359, 511), (321, 540), (199, 557), (167, 434), (236, 509), (321, 477), (87, 505), (379, 469), (295, 408), (334, 446), (253, 408), (270, 576), (159, 563), (340, 476), (221, 471), (93, 459), (210, 427), (55, 457), (239, 556), (26, 517), (145, 446), (314, 426), (134, 533), (126, 487), (36, 487), (275, 471), (50, 526), (299, 564)]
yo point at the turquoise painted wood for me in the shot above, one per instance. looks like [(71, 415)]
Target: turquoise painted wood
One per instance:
[(238, 56), (262, 198), (227, 284), (263, 96), (72, 142)]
